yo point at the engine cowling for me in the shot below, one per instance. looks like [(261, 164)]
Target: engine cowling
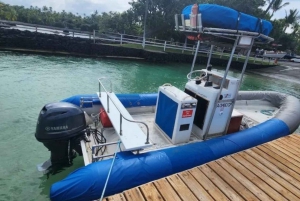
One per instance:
[(60, 127)]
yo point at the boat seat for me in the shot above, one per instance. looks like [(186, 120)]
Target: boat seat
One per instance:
[(132, 138)]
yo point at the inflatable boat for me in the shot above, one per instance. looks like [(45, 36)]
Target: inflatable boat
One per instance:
[(130, 139)]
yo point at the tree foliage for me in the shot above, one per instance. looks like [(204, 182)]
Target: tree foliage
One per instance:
[(160, 18)]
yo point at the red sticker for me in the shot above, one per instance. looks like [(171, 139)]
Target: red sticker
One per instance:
[(187, 113)]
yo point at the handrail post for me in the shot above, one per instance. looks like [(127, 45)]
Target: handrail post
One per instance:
[(94, 35), (121, 123), (99, 89), (183, 22), (176, 22), (165, 46), (107, 103), (121, 42), (210, 54), (147, 140)]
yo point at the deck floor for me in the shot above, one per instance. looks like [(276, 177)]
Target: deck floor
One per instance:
[(267, 172)]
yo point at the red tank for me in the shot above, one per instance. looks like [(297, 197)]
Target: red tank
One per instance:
[(104, 119)]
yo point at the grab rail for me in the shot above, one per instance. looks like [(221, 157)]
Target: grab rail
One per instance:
[(121, 115)]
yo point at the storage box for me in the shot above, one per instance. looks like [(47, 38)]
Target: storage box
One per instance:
[(175, 113), (235, 122)]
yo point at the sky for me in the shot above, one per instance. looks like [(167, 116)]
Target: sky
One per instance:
[(89, 6), (76, 6), (294, 4)]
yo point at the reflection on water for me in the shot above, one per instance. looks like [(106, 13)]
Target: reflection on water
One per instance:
[(28, 82)]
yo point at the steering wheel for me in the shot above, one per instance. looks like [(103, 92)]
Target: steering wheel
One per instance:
[(197, 78)]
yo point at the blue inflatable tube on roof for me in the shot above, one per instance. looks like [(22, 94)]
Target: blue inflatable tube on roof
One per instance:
[(132, 170), (227, 18)]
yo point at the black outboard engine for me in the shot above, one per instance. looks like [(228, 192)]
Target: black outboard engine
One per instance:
[(60, 128)]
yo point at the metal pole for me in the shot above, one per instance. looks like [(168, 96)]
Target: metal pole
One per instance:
[(246, 62), (145, 20), (210, 53), (99, 89), (73, 34), (165, 46), (184, 46), (176, 22), (94, 35), (107, 103), (241, 80), (183, 22), (195, 55), (221, 87), (121, 42), (121, 123)]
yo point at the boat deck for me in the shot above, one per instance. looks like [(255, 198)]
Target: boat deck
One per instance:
[(254, 112), (267, 172)]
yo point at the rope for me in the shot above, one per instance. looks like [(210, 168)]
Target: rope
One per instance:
[(112, 164)]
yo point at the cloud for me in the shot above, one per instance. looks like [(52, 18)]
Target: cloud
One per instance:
[(76, 6), (89, 6)]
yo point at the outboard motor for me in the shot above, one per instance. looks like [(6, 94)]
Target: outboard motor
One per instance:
[(60, 128)]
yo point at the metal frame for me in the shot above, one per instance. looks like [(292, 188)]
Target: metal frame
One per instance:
[(235, 35), (94, 157), (216, 31)]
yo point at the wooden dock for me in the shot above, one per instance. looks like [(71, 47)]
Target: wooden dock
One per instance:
[(267, 172)]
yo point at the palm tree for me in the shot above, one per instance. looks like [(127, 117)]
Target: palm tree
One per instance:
[(291, 18), (276, 5)]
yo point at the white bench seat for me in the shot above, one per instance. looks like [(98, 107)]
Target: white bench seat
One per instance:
[(132, 138)]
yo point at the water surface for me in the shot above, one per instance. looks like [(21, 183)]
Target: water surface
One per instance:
[(28, 82)]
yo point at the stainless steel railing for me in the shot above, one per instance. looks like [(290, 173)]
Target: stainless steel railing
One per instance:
[(121, 115)]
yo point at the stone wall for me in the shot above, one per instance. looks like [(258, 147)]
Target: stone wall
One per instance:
[(12, 38)]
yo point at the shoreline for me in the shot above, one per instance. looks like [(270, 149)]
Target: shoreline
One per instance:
[(285, 71), (42, 43), (59, 53)]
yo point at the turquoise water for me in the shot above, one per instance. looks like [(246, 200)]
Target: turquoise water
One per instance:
[(28, 82)]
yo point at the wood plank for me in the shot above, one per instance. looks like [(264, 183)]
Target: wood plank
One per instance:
[(234, 183), (208, 185), (285, 150), (287, 146), (166, 190), (194, 186), (275, 167), (134, 194), (283, 187), (255, 179), (278, 161), (220, 183), (117, 197), (291, 140), (269, 180), (282, 154), (182, 190), (296, 137), (150, 192), (290, 144), (260, 194)]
